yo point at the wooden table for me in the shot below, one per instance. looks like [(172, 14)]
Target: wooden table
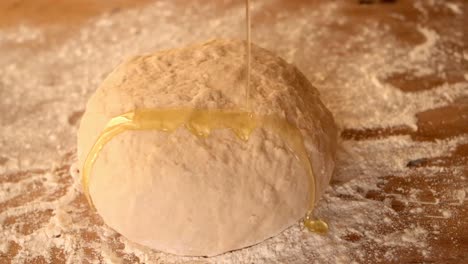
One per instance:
[(447, 237)]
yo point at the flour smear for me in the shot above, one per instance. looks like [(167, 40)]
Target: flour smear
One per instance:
[(42, 92)]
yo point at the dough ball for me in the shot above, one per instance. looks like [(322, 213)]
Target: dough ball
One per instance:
[(186, 195)]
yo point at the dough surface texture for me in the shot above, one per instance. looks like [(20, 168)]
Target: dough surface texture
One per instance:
[(186, 195)]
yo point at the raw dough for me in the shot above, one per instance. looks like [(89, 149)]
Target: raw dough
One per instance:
[(192, 196)]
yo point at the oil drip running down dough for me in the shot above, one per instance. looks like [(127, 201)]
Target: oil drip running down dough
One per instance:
[(186, 171)]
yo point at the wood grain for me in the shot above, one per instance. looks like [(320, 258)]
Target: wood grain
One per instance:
[(448, 236)]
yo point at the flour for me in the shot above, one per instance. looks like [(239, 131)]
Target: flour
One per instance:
[(21, 35), (456, 9), (349, 70), (423, 51), (460, 195)]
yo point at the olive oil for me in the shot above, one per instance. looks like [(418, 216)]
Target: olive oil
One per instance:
[(248, 59), (200, 123)]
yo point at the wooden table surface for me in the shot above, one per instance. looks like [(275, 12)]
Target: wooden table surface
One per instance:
[(447, 237)]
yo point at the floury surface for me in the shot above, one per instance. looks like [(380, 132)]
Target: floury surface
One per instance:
[(393, 75)]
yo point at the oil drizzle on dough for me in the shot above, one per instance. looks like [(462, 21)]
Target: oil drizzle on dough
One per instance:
[(200, 123), (248, 55)]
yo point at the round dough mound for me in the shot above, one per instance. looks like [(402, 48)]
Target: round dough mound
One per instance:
[(205, 196)]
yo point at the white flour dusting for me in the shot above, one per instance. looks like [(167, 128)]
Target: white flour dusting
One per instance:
[(41, 90), (456, 9), (423, 51)]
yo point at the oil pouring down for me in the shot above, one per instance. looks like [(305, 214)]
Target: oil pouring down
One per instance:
[(172, 161)]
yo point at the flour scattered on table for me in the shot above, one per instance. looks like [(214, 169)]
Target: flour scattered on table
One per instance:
[(45, 217)]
